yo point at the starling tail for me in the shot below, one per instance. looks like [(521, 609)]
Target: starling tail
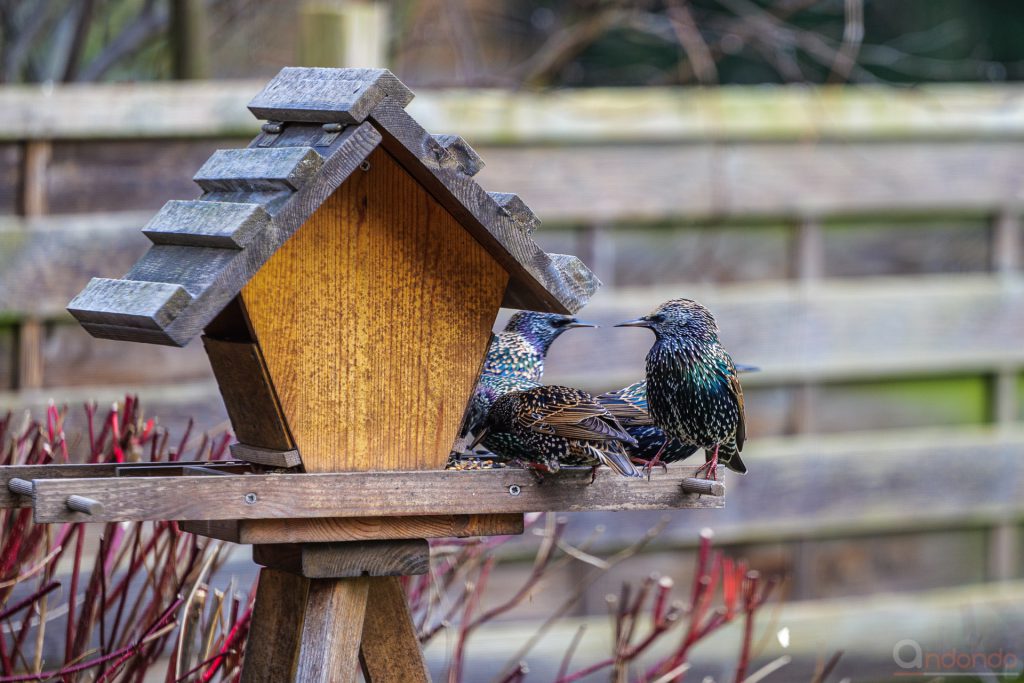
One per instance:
[(554, 426)]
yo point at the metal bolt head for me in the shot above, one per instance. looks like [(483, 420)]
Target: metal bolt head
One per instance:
[(250, 499), (514, 490)]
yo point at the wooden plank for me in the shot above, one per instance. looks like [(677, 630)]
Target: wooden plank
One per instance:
[(256, 531), (382, 295), (537, 281), (80, 471), (346, 560), (839, 330), (274, 631), (72, 358), (332, 627), (129, 303), (206, 224), (70, 250), (364, 494), (266, 456), (865, 629), (390, 650), (248, 394), (125, 175), (259, 169), (322, 95), (855, 485), (704, 181), (798, 113)]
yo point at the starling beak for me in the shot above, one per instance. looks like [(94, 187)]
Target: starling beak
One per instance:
[(692, 389), (549, 427), (637, 322)]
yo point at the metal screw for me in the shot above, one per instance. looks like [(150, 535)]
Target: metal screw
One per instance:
[(514, 490), (250, 498), (365, 166)]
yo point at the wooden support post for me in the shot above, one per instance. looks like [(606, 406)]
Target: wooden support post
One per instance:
[(30, 354), (596, 247), (332, 629), (189, 40), (390, 650), (274, 628), (352, 34), (809, 251), (1004, 397), (35, 163), (808, 260), (323, 610), (1006, 242), (1004, 551)]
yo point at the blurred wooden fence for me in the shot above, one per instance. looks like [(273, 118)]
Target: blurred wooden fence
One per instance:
[(861, 245)]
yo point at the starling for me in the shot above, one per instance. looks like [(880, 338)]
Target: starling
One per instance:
[(693, 392), (549, 427), (629, 406), (515, 361)]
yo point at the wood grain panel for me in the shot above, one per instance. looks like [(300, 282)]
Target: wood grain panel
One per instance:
[(373, 319), (248, 394), (255, 531)]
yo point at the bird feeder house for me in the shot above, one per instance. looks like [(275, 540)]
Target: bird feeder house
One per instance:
[(344, 272)]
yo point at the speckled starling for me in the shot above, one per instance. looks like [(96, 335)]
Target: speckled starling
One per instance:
[(629, 406), (515, 360), (693, 392), (549, 427)]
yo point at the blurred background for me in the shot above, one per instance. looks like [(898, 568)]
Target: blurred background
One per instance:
[(840, 181)]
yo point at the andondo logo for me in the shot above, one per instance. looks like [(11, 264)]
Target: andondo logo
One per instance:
[(914, 660)]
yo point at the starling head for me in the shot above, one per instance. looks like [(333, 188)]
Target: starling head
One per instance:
[(541, 329), (682, 319)]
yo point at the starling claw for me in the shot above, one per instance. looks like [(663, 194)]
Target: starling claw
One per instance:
[(710, 468), (656, 460)]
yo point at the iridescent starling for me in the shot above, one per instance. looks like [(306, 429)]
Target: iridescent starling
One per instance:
[(629, 406), (515, 360), (549, 427), (693, 392)]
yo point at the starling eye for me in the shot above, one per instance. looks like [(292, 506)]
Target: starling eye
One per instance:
[(657, 318)]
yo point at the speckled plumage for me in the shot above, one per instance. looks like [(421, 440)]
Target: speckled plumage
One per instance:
[(693, 392), (515, 361), (555, 426)]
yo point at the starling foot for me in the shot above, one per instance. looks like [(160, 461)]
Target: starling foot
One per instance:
[(711, 467), (656, 460)]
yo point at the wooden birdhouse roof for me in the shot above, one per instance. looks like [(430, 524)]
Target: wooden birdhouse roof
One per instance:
[(322, 124)]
